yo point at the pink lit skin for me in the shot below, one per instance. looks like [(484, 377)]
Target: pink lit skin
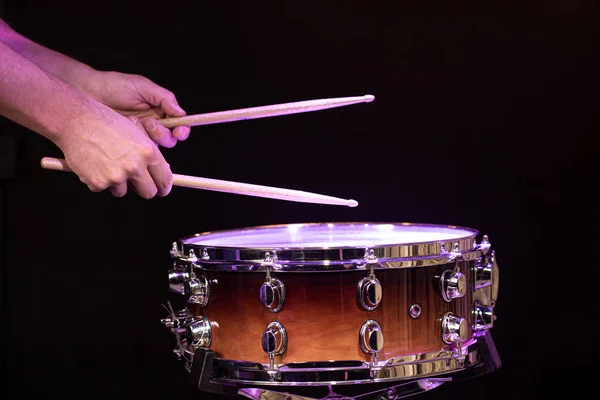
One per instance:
[(104, 122)]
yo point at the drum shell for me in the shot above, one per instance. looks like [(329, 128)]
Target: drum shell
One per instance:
[(322, 315)]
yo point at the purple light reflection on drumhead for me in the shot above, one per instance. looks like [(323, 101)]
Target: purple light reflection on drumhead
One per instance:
[(330, 235)]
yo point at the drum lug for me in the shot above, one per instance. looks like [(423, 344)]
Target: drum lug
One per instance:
[(483, 317), (199, 332), (369, 292), (272, 293), (274, 342), (370, 338), (486, 281), (178, 276), (453, 284), (197, 289), (454, 329), (486, 273)]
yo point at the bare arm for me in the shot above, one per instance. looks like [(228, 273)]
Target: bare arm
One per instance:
[(104, 148), (35, 99), (71, 71), (125, 93)]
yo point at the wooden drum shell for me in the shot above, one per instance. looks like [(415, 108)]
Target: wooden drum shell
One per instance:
[(323, 317)]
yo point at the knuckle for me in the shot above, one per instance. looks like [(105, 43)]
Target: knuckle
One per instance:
[(169, 95), (148, 151), (96, 185), (116, 177), (131, 168), (162, 186)]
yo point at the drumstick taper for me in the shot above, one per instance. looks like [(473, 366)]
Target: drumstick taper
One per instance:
[(246, 189), (263, 111)]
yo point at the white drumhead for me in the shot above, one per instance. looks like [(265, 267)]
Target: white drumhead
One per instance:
[(332, 235)]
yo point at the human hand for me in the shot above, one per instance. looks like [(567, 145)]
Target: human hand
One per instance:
[(135, 95), (108, 150)]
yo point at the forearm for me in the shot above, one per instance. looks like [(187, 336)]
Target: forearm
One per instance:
[(69, 70), (37, 100)]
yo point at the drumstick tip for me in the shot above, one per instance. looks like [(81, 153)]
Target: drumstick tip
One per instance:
[(352, 203), (369, 98)]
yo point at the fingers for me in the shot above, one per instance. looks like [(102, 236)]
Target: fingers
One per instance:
[(158, 96), (157, 178), (119, 190), (159, 134), (181, 133), (144, 184), (162, 177), (145, 171)]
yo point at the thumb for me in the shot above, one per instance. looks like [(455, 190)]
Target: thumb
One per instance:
[(158, 96)]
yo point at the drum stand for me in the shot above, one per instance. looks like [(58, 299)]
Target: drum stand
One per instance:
[(202, 367)]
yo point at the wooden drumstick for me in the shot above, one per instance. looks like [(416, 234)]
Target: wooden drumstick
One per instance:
[(263, 111), (246, 189)]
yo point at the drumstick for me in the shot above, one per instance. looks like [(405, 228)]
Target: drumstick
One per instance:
[(263, 111), (59, 164)]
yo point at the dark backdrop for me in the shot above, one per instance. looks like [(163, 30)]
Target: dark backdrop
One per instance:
[(484, 117)]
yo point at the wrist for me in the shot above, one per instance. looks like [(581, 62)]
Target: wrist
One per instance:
[(90, 82)]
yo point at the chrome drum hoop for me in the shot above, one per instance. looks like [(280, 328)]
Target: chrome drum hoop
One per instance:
[(346, 372), (336, 258)]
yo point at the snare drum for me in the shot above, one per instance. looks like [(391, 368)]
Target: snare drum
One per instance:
[(333, 309)]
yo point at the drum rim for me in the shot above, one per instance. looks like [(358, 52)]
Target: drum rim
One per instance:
[(473, 232), (398, 368), (438, 251)]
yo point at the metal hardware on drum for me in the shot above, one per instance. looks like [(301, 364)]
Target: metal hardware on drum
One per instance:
[(197, 289), (370, 338), (331, 278), (415, 310), (177, 278), (454, 329), (272, 291), (484, 317), (192, 256), (487, 274), (274, 342), (272, 294), (485, 244), (174, 250), (453, 285), (199, 332), (325, 259), (456, 252), (178, 321), (369, 292)]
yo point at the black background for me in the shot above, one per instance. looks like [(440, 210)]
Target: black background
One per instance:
[(485, 116)]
